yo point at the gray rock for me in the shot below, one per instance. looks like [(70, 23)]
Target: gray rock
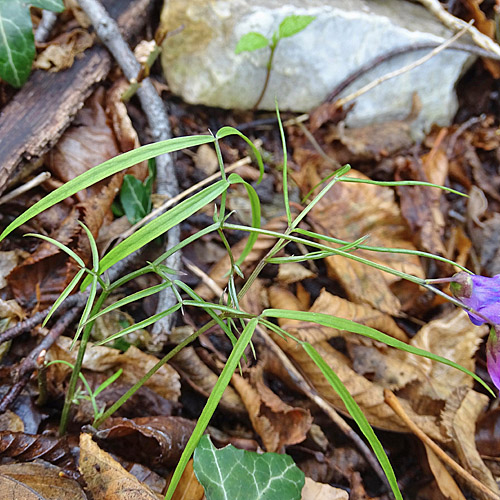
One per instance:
[(201, 66)]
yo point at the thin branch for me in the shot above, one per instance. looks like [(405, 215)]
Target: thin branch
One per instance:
[(457, 24), (36, 181), (393, 402), (153, 106), (404, 69)]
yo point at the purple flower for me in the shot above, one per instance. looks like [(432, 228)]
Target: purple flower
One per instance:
[(493, 356), (479, 293)]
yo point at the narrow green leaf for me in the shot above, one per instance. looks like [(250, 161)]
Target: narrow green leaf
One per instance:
[(255, 205), (228, 472), (108, 382), (61, 246), (366, 331), (356, 413), (161, 225), (142, 324), (104, 170), (212, 402), (250, 42), (225, 131), (292, 25), (64, 294)]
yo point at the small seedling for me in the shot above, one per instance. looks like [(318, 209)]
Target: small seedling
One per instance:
[(249, 42)]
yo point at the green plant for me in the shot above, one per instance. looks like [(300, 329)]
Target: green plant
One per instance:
[(236, 323), (135, 196), (17, 43), (251, 41)]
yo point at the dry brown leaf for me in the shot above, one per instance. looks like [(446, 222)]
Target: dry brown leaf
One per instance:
[(153, 440), (332, 305), (202, 379), (350, 211), (8, 261), (106, 478), (206, 160), (488, 433), (219, 272), (11, 422), (189, 488), (313, 490), (60, 53), (444, 479), (134, 362), (45, 479), (454, 337), (292, 272), (459, 419), (277, 423), (12, 488)]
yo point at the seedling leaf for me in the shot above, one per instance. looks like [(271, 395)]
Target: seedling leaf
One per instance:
[(292, 25), (233, 473), (250, 42)]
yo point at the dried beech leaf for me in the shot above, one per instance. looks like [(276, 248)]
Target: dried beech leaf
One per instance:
[(330, 304), (10, 422), (134, 362), (219, 272), (46, 479), (444, 479), (292, 272), (153, 441), (106, 478), (8, 261), (11, 488), (459, 421), (350, 211), (320, 491), (203, 379), (454, 337), (277, 423)]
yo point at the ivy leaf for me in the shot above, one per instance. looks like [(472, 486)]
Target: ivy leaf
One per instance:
[(250, 42), (17, 44), (292, 25), (234, 473)]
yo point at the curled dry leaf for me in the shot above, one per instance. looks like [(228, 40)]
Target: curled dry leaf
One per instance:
[(488, 433), (45, 479), (29, 447), (203, 379), (134, 362), (459, 418), (8, 261), (350, 211), (60, 53), (106, 479), (320, 491), (188, 486), (153, 441), (277, 423), (10, 422), (219, 272)]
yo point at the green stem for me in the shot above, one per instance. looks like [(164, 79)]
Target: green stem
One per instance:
[(150, 373), (75, 375), (269, 67)]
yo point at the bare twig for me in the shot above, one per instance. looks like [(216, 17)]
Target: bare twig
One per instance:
[(29, 364), (36, 181), (393, 402), (45, 26), (404, 69), (456, 24), (152, 104)]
